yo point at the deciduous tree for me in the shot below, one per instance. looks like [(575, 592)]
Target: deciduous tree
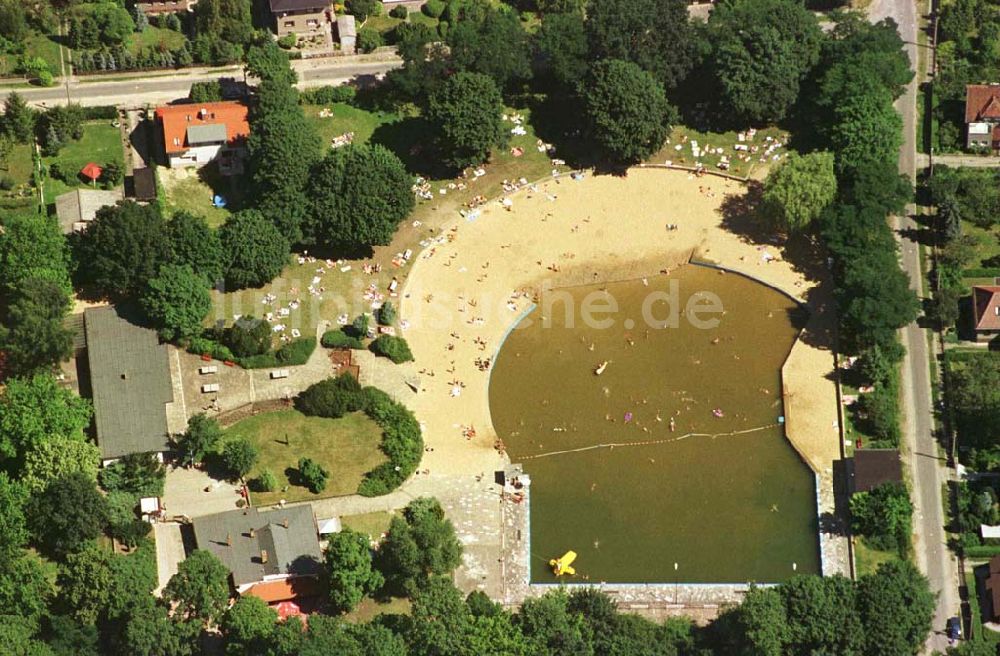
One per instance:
[(798, 190), (36, 409), (349, 570), (176, 301), (249, 626), (33, 335), (202, 436), (421, 543), (200, 587), (195, 244), (62, 532), (256, 251), (240, 457), (56, 458), (466, 112)]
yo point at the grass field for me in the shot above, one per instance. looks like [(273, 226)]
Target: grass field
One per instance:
[(17, 169), (346, 118), (160, 39), (372, 524), (683, 136), (867, 559), (192, 190), (101, 143), (369, 609), (347, 448), (36, 44), (989, 243)]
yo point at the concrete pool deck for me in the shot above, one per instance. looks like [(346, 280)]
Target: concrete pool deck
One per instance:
[(468, 288)]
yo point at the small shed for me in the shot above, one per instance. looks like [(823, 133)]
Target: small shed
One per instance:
[(328, 526), (873, 467), (347, 32)]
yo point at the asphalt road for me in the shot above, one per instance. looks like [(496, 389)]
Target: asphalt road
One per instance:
[(163, 88), (927, 469)]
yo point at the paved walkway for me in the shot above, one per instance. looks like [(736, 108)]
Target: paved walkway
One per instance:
[(169, 552)]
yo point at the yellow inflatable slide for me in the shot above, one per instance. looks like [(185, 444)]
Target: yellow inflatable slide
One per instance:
[(561, 566)]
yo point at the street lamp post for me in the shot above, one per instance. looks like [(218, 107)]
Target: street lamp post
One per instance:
[(676, 584)]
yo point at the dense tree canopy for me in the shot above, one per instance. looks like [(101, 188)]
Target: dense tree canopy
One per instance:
[(421, 543), (33, 335), (562, 43), (359, 196), (269, 62), (884, 516), (176, 301), (798, 190), (466, 112), (32, 247), (196, 245), (122, 248), (627, 113), (200, 588), (762, 51), (494, 44), (34, 410), (62, 532), (56, 458), (255, 250), (654, 34), (349, 570), (203, 434)]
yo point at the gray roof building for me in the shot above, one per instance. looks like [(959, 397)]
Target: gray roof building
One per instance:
[(262, 545), (130, 381), (78, 207)]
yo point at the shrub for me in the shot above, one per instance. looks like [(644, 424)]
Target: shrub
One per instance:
[(313, 476), (207, 91), (100, 113), (297, 351), (394, 348), (369, 39), (328, 95), (248, 336), (288, 41), (265, 481), (339, 339), (433, 8), (402, 443), (386, 314), (205, 346), (45, 78), (332, 398), (7, 183), (400, 11), (123, 523), (359, 327), (56, 171), (139, 474)]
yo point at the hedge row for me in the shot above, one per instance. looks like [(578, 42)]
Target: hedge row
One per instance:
[(983, 551), (295, 352), (100, 113), (339, 339), (402, 442), (327, 95), (986, 272), (956, 355)]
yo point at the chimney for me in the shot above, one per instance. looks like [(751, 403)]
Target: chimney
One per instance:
[(252, 532), (284, 522), (229, 539), (263, 556)]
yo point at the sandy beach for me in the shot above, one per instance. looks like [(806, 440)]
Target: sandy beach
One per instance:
[(468, 290)]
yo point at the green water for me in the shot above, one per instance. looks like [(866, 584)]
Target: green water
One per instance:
[(725, 509)]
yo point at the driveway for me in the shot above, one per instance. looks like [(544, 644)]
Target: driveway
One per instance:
[(185, 493)]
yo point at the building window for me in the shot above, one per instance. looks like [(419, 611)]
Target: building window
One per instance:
[(290, 23)]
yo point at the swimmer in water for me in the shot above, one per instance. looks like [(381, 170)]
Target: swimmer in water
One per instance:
[(673, 425)]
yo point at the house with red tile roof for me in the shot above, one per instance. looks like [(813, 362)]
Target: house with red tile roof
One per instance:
[(982, 116), (986, 311), (195, 134)]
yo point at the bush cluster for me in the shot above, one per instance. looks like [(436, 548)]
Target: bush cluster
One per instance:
[(394, 348), (339, 339), (328, 95)]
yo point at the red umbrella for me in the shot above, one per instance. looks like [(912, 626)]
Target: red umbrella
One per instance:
[(287, 609), (91, 171)]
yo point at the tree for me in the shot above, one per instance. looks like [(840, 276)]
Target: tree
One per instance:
[(494, 44), (562, 43), (331, 398), (654, 34), (176, 301), (150, 631), (13, 21), (312, 475), (200, 588), (140, 18), (268, 62), (248, 337), (139, 474), (123, 248), (256, 251), (248, 626), (867, 130), (822, 615), (240, 456), (201, 438), (281, 149), (441, 620), (34, 410), (349, 569), (386, 314), (797, 191), (394, 348), (204, 92), (763, 50), (25, 589), (18, 118), (369, 39), (548, 623), (896, 606), (228, 21), (421, 543), (62, 532), (466, 112), (56, 458), (884, 516), (627, 113), (362, 9), (763, 622), (13, 525), (114, 24), (33, 336), (345, 211), (195, 244), (111, 175), (85, 583), (32, 246)]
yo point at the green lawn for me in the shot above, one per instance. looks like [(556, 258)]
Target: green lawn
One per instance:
[(192, 190), (157, 38), (35, 45), (714, 140), (346, 118), (989, 242), (347, 448), (369, 609), (867, 559), (17, 169), (101, 143), (372, 524)]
